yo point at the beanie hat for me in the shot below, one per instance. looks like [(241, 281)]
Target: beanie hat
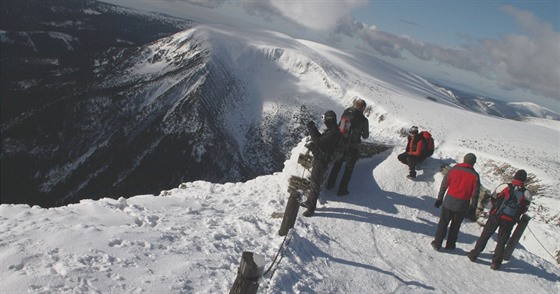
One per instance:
[(329, 116), (520, 175), (413, 130), (470, 158)]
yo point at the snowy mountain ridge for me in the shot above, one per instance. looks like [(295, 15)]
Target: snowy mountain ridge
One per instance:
[(226, 95), (229, 104)]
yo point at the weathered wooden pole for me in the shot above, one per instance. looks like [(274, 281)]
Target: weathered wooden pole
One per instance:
[(516, 236), (292, 208), (248, 274)]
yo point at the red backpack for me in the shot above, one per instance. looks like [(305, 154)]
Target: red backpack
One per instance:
[(428, 143)]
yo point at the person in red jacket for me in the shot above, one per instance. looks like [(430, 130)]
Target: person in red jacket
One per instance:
[(414, 152), (507, 208), (462, 183)]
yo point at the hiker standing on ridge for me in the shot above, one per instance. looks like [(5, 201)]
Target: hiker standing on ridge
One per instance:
[(416, 150), (507, 208), (354, 126), (324, 148), (462, 183)]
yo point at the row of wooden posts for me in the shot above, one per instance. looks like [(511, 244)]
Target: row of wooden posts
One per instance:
[(251, 266)]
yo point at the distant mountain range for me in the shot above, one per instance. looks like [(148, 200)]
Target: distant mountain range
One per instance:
[(102, 101), (510, 110)]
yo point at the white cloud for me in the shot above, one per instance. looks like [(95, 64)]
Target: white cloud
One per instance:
[(530, 61)]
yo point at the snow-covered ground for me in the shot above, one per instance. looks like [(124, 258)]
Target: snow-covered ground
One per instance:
[(375, 240)]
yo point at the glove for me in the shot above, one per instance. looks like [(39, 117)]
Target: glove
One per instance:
[(309, 145), (438, 203), (310, 124)]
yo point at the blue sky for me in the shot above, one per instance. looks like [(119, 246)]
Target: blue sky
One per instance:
[(443, 22), (508, 50)]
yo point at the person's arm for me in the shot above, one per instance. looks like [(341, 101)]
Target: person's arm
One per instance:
[(365, 130), (476, 192), (419, 148), (313, 132), (442, 188)]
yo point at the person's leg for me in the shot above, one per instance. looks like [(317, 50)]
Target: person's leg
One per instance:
[(487, 232), (411, 161), (402, 157), (317, 176), (441, 231), (503, 236), (334, 173), (456, 220), (353, 154)]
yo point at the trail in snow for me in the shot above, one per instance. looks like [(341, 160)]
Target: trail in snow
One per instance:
[(376, 240)]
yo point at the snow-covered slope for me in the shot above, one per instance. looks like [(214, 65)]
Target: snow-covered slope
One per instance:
[(375, 240)]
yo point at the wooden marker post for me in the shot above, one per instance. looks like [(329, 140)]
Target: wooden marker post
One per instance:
[(292, 208), (248, 274)]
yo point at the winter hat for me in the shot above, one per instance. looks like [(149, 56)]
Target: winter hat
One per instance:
[(470, 158), (520, 175), (329, 116), (413, 130)]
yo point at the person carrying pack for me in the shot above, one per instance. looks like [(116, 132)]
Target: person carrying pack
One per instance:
[(354, 127), (458, 190), (323, 146), (419, 146), (507, 208)]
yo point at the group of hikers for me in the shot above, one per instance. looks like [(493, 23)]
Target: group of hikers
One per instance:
[(459, 191)]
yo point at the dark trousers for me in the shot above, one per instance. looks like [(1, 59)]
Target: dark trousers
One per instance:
[(318, 172), (350, 157), (410, 160), (504, 233), (447, 216)]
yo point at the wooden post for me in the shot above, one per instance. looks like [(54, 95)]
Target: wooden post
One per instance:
[(248, 274), (292, 208), (516, 236)]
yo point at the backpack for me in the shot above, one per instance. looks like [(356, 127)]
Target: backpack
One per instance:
[(345, 124), (514, 202), (428, 142)]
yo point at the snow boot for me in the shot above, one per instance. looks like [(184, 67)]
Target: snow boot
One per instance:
[(435, 246), (472, 257), (495, 266)]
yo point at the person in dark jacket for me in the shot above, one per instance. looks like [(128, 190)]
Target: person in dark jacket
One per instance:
[(462, 184), (323, 146), (507, 208), (414, 152), (358, 130)]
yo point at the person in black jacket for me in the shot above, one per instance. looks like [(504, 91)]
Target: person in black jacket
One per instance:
[(323, 147), (359, 129)]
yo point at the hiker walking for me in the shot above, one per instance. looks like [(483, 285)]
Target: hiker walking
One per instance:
[(461, 183), (354, 127), (507, 208), (417, 149), (324, 148)]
